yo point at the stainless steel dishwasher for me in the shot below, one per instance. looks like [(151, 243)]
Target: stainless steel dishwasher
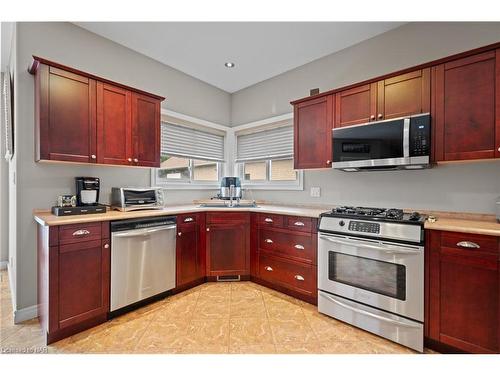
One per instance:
[(142, 259)]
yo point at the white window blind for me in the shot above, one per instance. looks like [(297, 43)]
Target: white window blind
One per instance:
[(267, 144), (191, 143)]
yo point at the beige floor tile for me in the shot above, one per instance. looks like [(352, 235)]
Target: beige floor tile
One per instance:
[(291, 331), (329, 329), (246, 294), (205, 349), (182, 308), (248, 307), (210, 332), (216, 290), (282, 309), (161, 336), (147, 312), (253, 349), (299, 348), (212, 308), (244, 332)]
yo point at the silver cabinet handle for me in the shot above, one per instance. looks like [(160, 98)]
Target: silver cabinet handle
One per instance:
[(93, 156), (380, 115), (81, 232), (328, 162), (129, 160), (499, 149), (299, 223), (299, 247), (298, 277), (188, 219), (372, 117), (208, 229), (106, 246), (268, 240), (180, 234), (267, 268), (136, 160), (468, 245), (268, 220)]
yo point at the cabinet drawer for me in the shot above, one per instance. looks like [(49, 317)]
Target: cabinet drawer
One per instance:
[(228, 217), (284, 243), (303, 224), (297, 276), (471, 242), (185, 219), (270, 220), (79, 232)]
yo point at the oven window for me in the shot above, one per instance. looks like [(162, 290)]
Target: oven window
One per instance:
[(376, 276), (139, 196)]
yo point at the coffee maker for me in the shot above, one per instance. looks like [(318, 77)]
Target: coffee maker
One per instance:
[(87, 191), (230, 188)]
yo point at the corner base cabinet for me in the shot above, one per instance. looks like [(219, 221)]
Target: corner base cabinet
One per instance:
[(190, 254), (73, 278), (463, 291)]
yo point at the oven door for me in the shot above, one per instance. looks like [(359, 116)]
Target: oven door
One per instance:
[(385, 275)]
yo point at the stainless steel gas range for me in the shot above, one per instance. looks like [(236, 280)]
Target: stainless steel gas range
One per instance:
[(371, 271)]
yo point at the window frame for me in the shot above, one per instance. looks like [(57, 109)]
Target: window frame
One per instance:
[(268, 184)]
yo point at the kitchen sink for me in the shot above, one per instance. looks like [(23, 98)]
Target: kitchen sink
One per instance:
[(227, 205)]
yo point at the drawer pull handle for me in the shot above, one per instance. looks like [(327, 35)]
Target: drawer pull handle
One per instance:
[(468, 245), (298, 277), (208, 229), (179, 234), (268, 220), (299, 223), (188, 219), (268, 240), (267, 268), (299, 247), (81, 232), (106, 246)]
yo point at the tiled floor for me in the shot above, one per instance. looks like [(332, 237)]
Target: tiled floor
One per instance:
[(239, 317)]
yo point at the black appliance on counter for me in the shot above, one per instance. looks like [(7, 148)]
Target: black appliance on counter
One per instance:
[(87, 191)]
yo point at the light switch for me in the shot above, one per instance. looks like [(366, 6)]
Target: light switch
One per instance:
[(315, 191)]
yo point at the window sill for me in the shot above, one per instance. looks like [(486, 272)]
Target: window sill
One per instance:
[(188, 186), (271, 187)]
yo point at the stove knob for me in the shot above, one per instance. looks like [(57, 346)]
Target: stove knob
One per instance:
[(341, 223)]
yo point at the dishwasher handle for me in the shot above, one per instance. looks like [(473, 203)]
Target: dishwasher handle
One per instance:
[(144, 232)]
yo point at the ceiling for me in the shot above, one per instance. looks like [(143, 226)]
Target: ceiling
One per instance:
[(259, 50)]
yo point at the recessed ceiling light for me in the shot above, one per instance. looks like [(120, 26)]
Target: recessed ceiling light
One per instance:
[(229, 65)]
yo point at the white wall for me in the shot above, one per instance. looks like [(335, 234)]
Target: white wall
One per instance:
[(460, 187), (38, 184)]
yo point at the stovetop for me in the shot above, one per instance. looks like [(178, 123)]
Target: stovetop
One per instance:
[(376, 214)]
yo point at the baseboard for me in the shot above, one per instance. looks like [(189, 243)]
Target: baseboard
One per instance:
[(27, 313), (3, 265)]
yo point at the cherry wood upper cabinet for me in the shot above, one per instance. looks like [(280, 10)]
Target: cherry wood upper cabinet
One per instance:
[(356, 105), (464, 287), (88, 119), (65, 116), (313, 123), (114, 131), (146, 130), (466, 111), (405, 94)]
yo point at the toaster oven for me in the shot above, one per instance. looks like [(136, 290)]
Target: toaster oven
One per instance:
[(130, 199)]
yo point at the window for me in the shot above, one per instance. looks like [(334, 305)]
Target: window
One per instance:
[(265, 158), (189, 156)]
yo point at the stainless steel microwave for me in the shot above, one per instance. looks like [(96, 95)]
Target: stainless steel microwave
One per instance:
[(130, 199), (400, 143)]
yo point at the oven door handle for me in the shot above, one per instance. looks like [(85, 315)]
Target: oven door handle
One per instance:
[(372, 315), (385, 248)]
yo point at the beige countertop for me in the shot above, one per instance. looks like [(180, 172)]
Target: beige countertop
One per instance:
[(447, 221), (48, 219)]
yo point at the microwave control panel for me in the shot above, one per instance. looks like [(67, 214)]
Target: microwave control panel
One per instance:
[(420, 136)]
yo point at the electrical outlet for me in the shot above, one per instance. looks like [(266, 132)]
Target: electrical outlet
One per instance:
[(315, 191)]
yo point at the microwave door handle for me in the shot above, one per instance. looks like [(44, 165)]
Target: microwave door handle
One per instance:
[(406, 137), (385, 248), (370, 314)]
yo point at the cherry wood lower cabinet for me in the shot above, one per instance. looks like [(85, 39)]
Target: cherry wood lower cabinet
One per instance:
[(73, 278), (228, 243), (284, 254), (463, 291), (190, 254)]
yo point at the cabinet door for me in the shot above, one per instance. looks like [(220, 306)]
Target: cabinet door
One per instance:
[(114, 131), (83, 281), (403, 95), (146, 130), (466, 92), (356, 105), (66, 126), (187, 261), (464, 294), (228, 249), (313, 123)]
